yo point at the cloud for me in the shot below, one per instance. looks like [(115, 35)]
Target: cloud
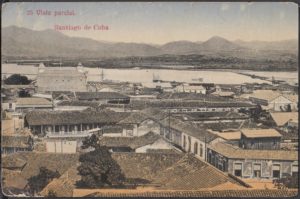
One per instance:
[(225, 6), (243, 7)]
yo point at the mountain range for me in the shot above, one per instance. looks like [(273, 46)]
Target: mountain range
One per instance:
[(23, 42)]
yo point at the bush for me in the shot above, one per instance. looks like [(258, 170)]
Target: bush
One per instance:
[(17, 79)]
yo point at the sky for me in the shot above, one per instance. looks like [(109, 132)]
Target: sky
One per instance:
[(161, 22)]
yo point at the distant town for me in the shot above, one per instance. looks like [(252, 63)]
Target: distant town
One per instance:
[(64, 136)]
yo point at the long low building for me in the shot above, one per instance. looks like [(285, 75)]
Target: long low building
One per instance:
[(270, 164), (70, 122), (186, 136), (182, 106), (104, 97)]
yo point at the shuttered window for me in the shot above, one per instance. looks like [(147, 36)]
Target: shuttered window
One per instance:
[(276, 167), (257, 167), (295, 168), (238, 166)]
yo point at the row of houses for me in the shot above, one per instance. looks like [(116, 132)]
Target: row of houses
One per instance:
[(255, 148)]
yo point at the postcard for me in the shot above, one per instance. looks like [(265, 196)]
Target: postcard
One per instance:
[(149, 99)]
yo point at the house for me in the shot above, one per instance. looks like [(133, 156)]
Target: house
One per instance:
[(70, 123), (212, 117), (16, 143), (228, 94), (184, 106), (8, 105), (232, 137), (285, 120), (103, 97), (32, 103), (272, 100), (76, 105), (30, 164), (158, 145), (260, 139), (148, 141), (187, 88), (138, 124), (51, 79), (249, 163), (61, 145), (186, 136)]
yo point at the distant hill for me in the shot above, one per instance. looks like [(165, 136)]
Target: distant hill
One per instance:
[(285, 45), (23, 42)]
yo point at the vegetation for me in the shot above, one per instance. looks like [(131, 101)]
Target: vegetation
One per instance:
[(17, 79), (51, 194), (290, 182), (98, 169), (39, 182)]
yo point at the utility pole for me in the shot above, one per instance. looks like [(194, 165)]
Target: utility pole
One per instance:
[(169, 122)]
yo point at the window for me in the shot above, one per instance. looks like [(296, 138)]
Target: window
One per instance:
[(201, 150), (196, 148), (129, 132), (238, 169), (257, 170), (190, 140), (294, 170), (10, 105), (276, 171), (208, 156)]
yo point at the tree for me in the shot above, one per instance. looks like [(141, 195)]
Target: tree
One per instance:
[(40, 181), (91, 141), (51, 194), (17, 79), (98, 168), (290, 181)]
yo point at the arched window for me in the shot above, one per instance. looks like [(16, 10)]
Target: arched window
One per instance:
[(196, 148), (201, 150)]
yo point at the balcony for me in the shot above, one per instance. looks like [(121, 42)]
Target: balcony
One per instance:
[(72, 134)]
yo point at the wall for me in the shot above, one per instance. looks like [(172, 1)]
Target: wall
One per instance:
[(147, 126), (61, 146), (204, 109), (260, 143), (174, 136), (61, 80), (280, 103), (159, 144), (266, 167), (189, 146), (5, 106)]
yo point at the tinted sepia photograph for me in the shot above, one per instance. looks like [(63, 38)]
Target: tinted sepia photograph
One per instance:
[(149, 99)]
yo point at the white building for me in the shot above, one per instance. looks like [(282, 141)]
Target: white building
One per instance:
[(272, 100), (186, 88), (61, 79)]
